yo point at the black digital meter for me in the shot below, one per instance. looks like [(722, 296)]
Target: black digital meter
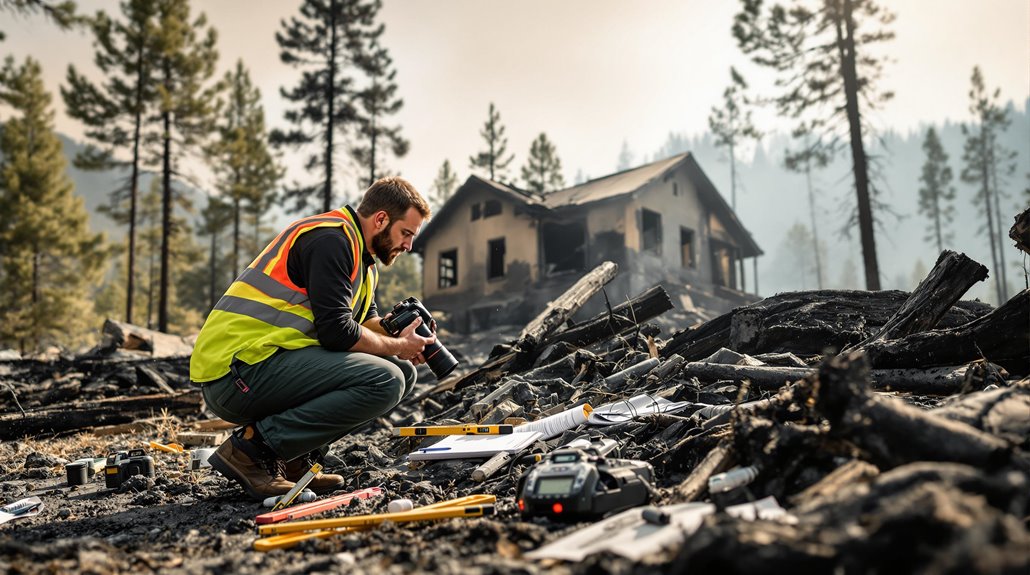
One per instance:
[(575, 485)]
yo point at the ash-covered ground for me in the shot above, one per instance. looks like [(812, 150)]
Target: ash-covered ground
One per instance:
[(873, 481)]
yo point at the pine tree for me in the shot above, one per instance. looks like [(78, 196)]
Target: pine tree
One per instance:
[(61, 13), (825, 67), (215, 217), (731, 124), (114, 111), (801, 257), (492, 159), (375, 101), (625, 158), (444, 184), (542, 172), (246, 172), (805, 161), (985, 157), (186, 62), (324, 42), (48, 258), (936, 194)]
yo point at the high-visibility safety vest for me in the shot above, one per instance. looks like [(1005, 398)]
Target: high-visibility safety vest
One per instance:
[(263, 311)]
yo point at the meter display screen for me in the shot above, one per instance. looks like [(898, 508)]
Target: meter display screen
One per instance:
[(554, 485)]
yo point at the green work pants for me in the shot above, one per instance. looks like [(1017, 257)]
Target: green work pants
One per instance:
[(303, 400)]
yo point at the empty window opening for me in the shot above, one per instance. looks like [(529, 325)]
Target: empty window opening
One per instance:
[(495, 260), (650, 231), (448, 269), (564, 246), (687, 248), (491, 208), (675, 188), (475, 212)]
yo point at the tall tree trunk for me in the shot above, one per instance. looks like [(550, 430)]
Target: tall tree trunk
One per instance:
[(35, 297), (372, 152), (331, 116), (236, 227), (130, 286), (493, 157), (815, 231), (733, 178), (937, 220), (166, 213), (213, 270), (986, 188), (849, 72), (999, 234)]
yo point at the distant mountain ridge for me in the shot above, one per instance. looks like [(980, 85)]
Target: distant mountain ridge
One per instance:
[(95, 187)]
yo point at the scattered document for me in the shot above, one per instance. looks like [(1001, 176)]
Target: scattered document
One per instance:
[(472, 446), (627, 409), (555, 425), (24, 508), (629, 535)]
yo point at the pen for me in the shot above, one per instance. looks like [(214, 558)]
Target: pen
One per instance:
[(424, 449)]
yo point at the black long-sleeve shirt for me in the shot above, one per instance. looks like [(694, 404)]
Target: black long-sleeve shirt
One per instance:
[(321, 260)]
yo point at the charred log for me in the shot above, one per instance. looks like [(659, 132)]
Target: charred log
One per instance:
[(804, 323), (1001, 337), (891, 432)]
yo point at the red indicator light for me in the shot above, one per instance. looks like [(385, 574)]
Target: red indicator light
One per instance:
[(522, 505), (557, 508)]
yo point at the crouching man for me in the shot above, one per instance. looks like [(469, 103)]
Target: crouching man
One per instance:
[(294, 351)]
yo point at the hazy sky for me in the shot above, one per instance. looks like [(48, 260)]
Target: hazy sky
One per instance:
[(589, 73)]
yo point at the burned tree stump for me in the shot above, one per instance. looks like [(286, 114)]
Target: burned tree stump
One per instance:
[(124, 336), (1001, 337), (950, 278)]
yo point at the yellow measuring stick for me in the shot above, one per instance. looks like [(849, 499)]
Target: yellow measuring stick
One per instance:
[(298, 487), (468, 429), (471, 506), (288, 540)]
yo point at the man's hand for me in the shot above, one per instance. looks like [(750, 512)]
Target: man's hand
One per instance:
[(412, 343)]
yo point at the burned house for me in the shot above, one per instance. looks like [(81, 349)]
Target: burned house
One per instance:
[(495, 254)]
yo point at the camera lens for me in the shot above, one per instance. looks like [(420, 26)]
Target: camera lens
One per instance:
[(439, 360)]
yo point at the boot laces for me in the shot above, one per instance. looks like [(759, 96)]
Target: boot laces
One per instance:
[(274, 466)]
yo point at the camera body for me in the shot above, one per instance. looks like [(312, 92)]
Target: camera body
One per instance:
[(575, 484), (439, 360), (122, 465)]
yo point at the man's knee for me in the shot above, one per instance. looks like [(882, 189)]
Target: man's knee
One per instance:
[(391, 386)]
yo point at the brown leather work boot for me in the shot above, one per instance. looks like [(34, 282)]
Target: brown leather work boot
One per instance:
[(260, 475), (322, 483)]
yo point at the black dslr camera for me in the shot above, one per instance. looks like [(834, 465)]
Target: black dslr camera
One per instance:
[(575, 484), (122, 465), (437, 357)]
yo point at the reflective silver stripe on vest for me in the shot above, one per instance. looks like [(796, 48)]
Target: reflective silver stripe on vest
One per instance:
[(265, 313), (270, 287), (274, 249)]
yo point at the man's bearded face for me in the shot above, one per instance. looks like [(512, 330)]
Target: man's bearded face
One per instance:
[(384, 247)]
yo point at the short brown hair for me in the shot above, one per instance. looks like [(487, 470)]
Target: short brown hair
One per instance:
[(394, 196)]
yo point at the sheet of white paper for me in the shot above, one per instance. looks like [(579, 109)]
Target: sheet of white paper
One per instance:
[(627, 533), (627, 409), (19, 509), (470, 446)]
